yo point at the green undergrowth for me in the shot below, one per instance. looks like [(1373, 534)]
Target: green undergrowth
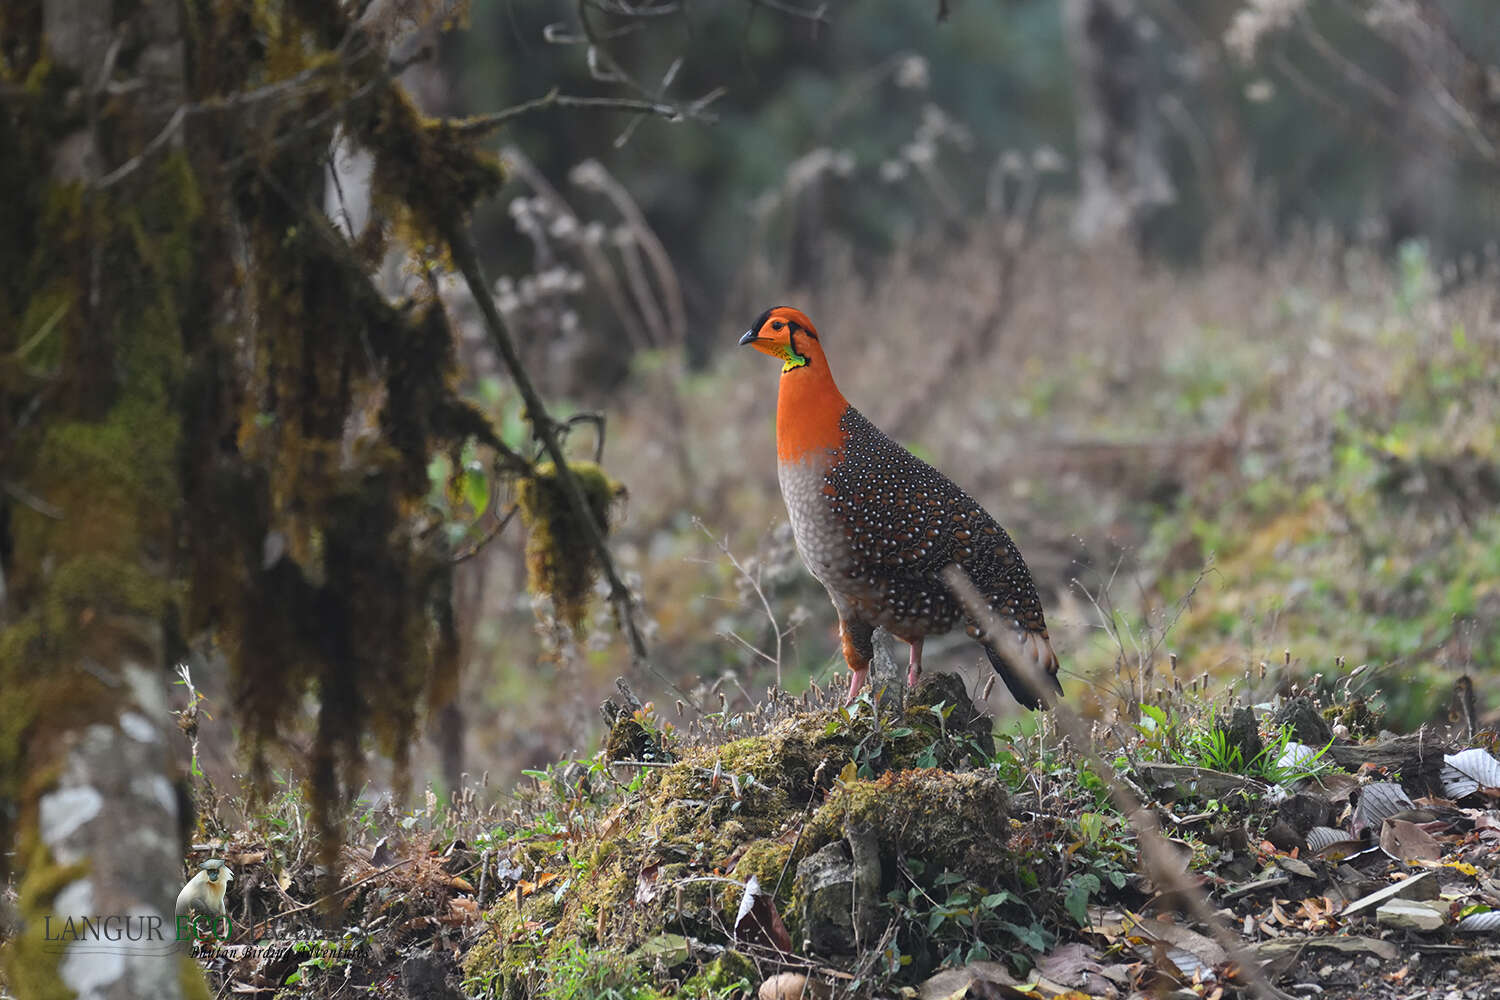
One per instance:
[(1357, 523), (632, 875)]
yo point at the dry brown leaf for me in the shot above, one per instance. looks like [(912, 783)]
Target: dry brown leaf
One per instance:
[(646, 888), (1406, 841), (758, 920), (527, 887)]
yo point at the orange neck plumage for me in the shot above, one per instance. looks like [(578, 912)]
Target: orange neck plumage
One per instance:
[(809, 407)]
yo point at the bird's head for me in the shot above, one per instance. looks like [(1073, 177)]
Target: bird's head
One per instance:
[(787, 334)]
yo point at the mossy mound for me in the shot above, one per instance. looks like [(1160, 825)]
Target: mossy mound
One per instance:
[(675, 856), (953, 821)]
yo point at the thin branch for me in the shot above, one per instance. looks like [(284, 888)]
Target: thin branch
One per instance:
[(754, 582), (1351, 70), (489, 536), (480, 124), (1156, 853), (26, 498), (545, 429), (133, 164), (815, 15)]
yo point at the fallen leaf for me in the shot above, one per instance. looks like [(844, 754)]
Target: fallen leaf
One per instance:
[(668, 949), (1480, 923), (1467, 771), (757, 918), (1075, 966), (527, 887), (972, 982), (646, 888), (1378, 801), (1406, 841)]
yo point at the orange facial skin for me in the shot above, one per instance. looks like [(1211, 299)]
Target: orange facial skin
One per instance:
[(809, 404)]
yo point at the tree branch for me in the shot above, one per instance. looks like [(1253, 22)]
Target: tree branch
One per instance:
[(479, 124), (545, 429)]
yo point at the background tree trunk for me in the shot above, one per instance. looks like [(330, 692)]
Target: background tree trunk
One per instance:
[(83, 662), (1121, 174)]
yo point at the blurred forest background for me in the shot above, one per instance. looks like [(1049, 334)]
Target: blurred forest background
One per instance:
[(1198, 298)]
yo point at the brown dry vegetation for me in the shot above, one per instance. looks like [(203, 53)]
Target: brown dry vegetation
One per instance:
[(1317, 426)]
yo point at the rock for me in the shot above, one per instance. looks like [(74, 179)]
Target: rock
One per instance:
[(1308, 726), (1406, 914), (1243, 732), (825, 882), (792, 986), (1303, 812), (432, 976), (1285, 836)]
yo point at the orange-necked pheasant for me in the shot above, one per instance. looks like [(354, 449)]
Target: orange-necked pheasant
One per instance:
[(877, 526)]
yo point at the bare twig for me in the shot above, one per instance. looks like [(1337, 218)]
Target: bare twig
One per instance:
[(1157, 854), (480, 124), (489, 535), (133, 164), (545, 430), (765, 602)]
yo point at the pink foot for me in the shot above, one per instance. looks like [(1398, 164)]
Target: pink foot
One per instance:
[(856, 681), (914, 665)]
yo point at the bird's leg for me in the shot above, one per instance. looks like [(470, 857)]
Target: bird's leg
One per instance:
[(914, 665), (859, 650)]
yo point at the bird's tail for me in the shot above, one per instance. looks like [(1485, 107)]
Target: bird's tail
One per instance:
[(1027, 665)]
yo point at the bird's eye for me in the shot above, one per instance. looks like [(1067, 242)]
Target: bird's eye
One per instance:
[(777, 325)]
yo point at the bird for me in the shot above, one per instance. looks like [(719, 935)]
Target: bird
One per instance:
[(878, 527), (204, 893)]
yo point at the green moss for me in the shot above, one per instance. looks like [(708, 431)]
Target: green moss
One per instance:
[(953, 821), (1362, 721), (423, 166), (730, 974), (28, 962), (674, 858), (190, 979), (560, 562)]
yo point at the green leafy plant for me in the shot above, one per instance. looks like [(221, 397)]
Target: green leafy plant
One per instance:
[(1213, 748), (579, 973)]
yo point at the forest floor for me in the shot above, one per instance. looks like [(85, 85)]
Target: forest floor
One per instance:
[(1263, 503), (894, 849)]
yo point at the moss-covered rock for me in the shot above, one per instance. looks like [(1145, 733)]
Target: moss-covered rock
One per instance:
[(956, 821)]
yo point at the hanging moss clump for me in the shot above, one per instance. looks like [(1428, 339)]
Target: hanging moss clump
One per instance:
[(560, 562)]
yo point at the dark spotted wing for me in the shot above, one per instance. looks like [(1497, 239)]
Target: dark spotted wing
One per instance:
[(905, 522)]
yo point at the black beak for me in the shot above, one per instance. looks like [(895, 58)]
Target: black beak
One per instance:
[(748, 338)]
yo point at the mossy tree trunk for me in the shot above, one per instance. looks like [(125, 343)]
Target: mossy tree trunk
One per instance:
[(91, 431), (213, 427)]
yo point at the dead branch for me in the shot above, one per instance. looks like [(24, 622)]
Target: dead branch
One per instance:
[(1156, 852), (545, 429)]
